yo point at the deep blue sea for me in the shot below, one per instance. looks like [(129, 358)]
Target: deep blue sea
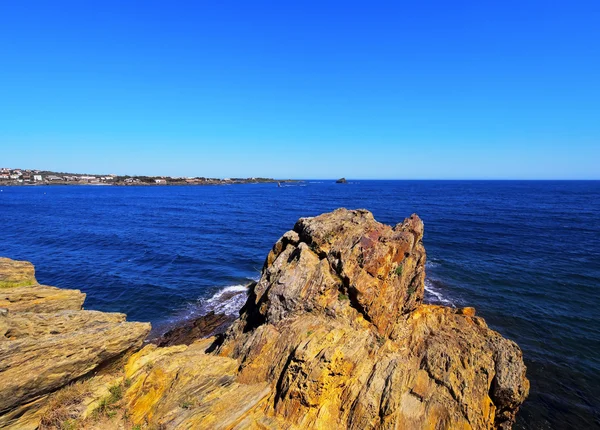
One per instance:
[(526, 254)]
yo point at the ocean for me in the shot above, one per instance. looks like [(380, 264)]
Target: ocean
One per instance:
[(525, 254)]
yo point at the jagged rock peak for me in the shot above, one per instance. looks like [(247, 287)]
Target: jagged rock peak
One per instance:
[(340, 259)]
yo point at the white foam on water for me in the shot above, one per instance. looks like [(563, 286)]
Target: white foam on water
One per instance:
[(435, 294), (230, 289), (228, 300)]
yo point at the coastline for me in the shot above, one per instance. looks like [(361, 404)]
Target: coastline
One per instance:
[(152, 254), (147, 184), (315, 345)]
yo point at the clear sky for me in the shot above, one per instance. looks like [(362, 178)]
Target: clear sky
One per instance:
[(302, 89)]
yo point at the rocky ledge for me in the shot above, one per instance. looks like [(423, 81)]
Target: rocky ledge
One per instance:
[(48, 341), (333, 335)]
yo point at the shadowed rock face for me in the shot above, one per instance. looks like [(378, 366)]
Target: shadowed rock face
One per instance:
[(333, 335), (198, 328)]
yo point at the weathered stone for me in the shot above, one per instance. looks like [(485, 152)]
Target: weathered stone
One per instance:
[(16, 273), (47, 341), (344, 256), (341, 334), (20, 291), (182, 387), (18, 325), (40, 298), (32, 366)]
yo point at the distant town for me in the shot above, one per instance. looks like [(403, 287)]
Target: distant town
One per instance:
[(10, 176)]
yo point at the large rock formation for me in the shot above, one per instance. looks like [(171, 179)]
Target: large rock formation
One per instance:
[(333, 335), (47, 340), (336, 324)]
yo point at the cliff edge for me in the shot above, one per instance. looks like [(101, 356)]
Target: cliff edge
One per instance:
[(47, 341), (333, 335)]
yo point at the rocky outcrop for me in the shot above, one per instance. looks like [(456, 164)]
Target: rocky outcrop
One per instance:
[(47, 340), (336, 324), (333, 335), (16, 273), (340, 263), (19, 290)]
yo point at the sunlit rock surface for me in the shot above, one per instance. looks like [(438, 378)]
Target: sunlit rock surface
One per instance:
[(47, 341)]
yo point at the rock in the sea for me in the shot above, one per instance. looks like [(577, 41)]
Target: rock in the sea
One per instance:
[(333, 335), (341, 181), (47, 340)]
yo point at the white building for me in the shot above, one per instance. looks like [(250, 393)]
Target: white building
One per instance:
[(37, 178)]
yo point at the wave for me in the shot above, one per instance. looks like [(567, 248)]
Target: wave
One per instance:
[(228, 300), (434, 295)]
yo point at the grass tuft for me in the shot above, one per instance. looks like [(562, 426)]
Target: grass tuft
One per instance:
[(399, 270), (108, 404), (60, 413), (186, 405)]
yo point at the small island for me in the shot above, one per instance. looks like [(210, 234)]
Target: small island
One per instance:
[(341, 181)]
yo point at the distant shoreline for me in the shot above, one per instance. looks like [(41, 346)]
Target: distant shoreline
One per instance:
[(21, 177), (145, 184)]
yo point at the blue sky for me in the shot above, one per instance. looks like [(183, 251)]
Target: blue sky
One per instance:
[(309, 89)]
